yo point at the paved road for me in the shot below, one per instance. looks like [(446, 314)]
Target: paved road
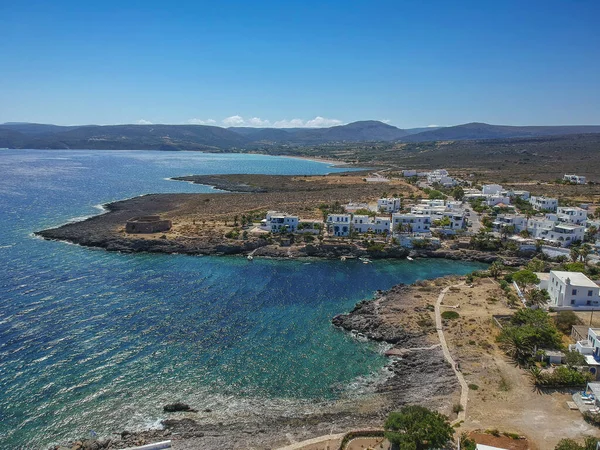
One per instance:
[(463, 384)]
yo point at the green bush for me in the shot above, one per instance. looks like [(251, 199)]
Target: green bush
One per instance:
[(473, 387), (449, 315)]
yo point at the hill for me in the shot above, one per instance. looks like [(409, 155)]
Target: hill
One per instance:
[(128, 137), (477, 130)]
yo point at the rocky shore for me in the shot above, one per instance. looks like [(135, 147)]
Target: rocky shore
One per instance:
[(107, 231), (418, 373)]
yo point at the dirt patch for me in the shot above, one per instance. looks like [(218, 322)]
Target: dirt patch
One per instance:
[(501, 395)]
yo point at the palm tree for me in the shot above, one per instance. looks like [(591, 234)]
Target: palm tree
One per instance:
[(535, 375), (495, 270), (537, 297), (574, 254), (584, 252)]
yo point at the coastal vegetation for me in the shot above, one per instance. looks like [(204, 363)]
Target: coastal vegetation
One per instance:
[(418, 428)]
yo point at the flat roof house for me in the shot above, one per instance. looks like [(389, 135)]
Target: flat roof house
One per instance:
[(411, 223), (339, 224), (572, 290), (542, 203)]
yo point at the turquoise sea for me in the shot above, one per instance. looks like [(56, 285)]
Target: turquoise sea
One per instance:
[(96, 342)]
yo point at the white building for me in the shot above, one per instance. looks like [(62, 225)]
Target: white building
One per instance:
[(563, 234), (441, 176), (542, 203), (510, 220), (491, 189), (413, 223), (497, 199), (365, 224), (571, 290), (517, 193), (389, 205), (590, 349), (339, 224), (278, 222), (574, 215), (577, 179)]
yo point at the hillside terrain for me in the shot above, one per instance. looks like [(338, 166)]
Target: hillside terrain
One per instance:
[(270, 140)]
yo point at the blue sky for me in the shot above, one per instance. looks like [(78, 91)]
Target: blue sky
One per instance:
[(291, 63)]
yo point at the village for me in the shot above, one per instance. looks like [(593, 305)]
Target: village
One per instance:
[(521, 335)]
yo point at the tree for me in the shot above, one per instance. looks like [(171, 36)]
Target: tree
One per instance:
[(574, 254), (537, 297), (458, 193), (436, 195), (525, 278), (570, 444), (565, 320), (574, 359), (417, 428), (536, 265), (495, 269), (584, 252)]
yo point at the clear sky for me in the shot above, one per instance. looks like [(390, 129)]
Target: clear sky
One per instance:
[(301, 63)]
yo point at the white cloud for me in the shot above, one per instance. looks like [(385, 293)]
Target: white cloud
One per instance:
[(294, 123), (257, 122), (319, 121), (144, 122), (234, 121), (201, 122)]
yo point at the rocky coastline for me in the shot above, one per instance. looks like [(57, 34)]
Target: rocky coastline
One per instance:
[(420, 375), (106, 231)]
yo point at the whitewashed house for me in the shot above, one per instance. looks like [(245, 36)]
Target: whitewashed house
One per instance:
[(517, 193), (277, 222), (491, 189), (389, 205), (577, 179), (574, 215), (497, 199), (557, 233), (412, 223), (571, 290), (590, 349), (510, 220), (542, 203), (339, 224), (365, 224)]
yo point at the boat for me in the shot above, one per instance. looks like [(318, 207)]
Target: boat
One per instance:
[(250, 257), (409, 258), (365, 260), (343, 258)]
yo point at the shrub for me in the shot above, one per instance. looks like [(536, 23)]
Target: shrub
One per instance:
[(457, 408), (449, 315), (473, 387), (565, 320)]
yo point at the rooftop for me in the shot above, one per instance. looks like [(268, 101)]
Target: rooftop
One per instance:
[(576, 278)]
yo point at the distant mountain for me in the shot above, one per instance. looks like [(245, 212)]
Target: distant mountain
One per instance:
[(133, 137), (34, 128), (475, 130), (210, 138), (420, 130), (363, 131)]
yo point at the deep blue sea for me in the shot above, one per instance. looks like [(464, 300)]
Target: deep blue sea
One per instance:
[(96, 342)]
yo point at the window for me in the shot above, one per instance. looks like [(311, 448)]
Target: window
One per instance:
[(590, 293), (589, 302), (573, 302), (574, 292)]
